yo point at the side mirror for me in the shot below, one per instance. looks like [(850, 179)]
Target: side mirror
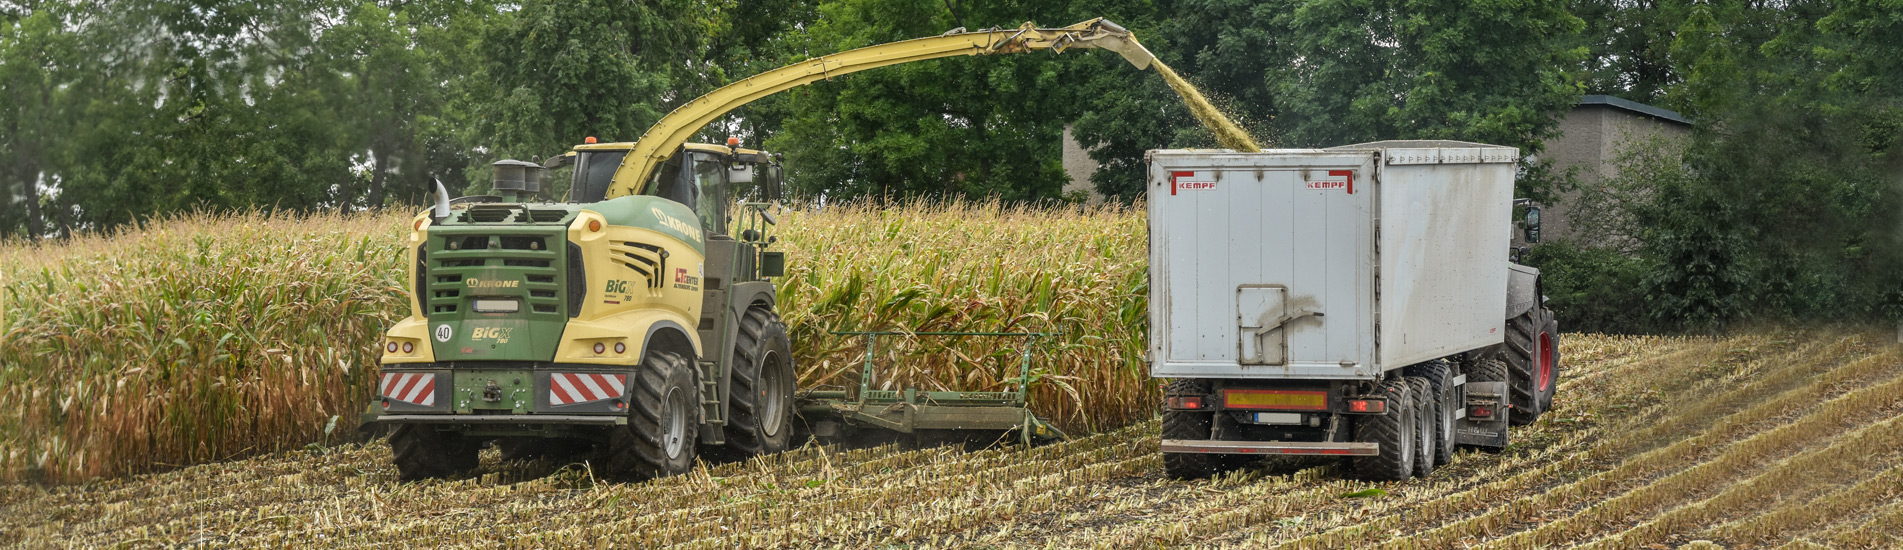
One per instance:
[(1532, 225)]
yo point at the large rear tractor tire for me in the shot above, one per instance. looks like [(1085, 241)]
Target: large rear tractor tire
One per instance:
[(1528, 373), (1426, 406), (1440, 375), (1393, 431), (663, 421), (422, 452), (1189, 425), (1549, 341), (761, 412)]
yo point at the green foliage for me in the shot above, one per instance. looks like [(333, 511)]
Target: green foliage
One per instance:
[(1590, 289), (966, 126)]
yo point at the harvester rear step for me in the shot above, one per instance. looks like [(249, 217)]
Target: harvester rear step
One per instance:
[(1269, 447)]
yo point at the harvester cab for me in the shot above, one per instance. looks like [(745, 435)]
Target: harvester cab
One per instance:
[(636, 315)]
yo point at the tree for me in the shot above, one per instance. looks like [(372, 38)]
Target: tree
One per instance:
[(968, 126)]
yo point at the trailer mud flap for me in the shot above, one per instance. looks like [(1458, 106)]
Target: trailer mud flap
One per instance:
[(1484, 431)]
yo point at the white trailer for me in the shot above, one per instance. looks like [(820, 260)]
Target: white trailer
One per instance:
[(1355, 301)]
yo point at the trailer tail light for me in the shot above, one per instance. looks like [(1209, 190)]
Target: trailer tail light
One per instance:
[(600, 348), (409, 347), (1480, 411), (1276, 400), (390, 347), (1373, 406), (1192, 402)]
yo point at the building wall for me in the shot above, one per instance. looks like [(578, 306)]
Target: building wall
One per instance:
[(1079, 166), (1592, 139)]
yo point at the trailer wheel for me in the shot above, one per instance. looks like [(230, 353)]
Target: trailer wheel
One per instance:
[(1440, 375), (1549, 361), (421, 452), (1522, 352), (761, 411), (1190, 425), (663, 421), (1393, 431), (1426, 409)]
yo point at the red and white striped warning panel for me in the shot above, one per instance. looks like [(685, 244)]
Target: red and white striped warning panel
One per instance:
[(416, 388), (567, 388)]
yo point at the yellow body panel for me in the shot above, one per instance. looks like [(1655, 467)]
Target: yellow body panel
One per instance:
[(621, 303), (415, 331), (415, 328)]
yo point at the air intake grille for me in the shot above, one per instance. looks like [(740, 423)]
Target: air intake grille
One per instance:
[(490, 262)]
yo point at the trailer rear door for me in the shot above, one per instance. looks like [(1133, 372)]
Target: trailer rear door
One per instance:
[(1261, 264)]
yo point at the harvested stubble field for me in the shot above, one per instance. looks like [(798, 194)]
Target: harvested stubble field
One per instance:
[(1774, 438)]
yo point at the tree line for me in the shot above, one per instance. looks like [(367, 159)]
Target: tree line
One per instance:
[(1783, 204)]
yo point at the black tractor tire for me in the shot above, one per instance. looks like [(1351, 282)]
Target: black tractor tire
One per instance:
[(1189, 425), (422, 452), (760, 415), (1440, 375), (1426, 406), (1522, 353), (663, 421), (1550, 334), (1393, 431), (1487, 370)]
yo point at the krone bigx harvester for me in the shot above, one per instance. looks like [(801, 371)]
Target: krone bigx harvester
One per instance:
[(636, 317)]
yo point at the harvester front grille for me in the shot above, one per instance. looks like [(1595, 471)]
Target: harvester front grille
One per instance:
[(491, 262)]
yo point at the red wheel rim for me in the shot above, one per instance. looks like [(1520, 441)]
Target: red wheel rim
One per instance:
[(1546, 361)]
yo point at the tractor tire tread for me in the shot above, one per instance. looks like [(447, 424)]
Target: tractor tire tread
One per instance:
[(638, 449), (745, 437), (1391, 431)]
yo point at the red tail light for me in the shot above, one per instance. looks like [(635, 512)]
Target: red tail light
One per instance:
[(1367, 405), (1194, 402)]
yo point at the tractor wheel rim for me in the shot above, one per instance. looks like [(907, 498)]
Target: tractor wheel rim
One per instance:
[(675, 419), (1546, 361), (773, 385)]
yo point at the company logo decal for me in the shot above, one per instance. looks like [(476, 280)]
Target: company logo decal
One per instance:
[(684, 281), (676, 224), (479, 283), (1177, 184), (1346, 184)]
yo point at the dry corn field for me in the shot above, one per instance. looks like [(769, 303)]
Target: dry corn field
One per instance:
[(207, 338), (1771, 439)]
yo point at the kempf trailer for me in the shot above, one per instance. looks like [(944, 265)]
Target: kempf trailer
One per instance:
[(1357, 301)]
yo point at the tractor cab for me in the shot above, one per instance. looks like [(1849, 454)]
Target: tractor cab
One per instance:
[(705, 177)]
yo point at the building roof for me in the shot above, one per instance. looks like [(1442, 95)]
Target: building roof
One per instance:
[(1633, 106)]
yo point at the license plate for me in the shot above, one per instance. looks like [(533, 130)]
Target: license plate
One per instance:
[(497, 306), (1278, 418)]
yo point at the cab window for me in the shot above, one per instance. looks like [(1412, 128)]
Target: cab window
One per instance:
[(710, 177), (702, 187), (593, 172)]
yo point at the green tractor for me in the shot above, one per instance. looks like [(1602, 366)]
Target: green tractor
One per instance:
[(636, 317)]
